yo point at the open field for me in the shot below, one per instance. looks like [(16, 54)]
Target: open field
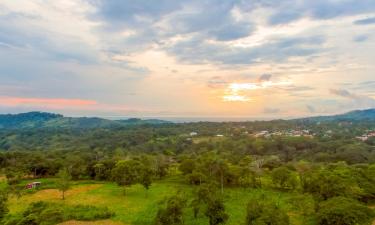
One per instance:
[(101, 222), (138, 207)]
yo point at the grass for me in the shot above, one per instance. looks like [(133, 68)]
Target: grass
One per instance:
[(100, 222), (138, 207)]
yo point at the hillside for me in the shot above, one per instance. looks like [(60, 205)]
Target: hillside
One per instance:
[(51, 120), (356, 115)]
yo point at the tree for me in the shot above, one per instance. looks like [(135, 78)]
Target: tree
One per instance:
[(127, 172), (216, 212), (3, 204), (63, 183), (99, 171), (261, 211), (203, 195), (326, 183), (219, 169), (172, 212), (146, 177), (343, 211), (187, 166), (284, 178)]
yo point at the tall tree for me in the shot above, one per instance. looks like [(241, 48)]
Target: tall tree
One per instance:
[(127, 172), (3, 204), (172, 213), (63, 183), (263, 211), (216, 211)]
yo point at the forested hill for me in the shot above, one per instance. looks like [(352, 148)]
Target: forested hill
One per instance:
[(51, 120), (356, 115)]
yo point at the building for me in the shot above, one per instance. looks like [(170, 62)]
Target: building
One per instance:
[(193, 133), (33, 185)]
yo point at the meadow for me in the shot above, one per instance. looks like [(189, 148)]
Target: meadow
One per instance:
[(139, 207)]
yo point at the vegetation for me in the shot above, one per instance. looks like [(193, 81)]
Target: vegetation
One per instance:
[(63, 183), (172, 177)]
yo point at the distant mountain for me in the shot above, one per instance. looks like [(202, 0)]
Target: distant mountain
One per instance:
[(137, 121), (356, 115), (51, 120), (25, 120)]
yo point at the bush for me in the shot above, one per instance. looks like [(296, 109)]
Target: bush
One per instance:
[(3, 204), (84, 212), (262, 211), (284, 178), (216, 212), (172, 213), (43, 213), (51, 216), (343, 211)]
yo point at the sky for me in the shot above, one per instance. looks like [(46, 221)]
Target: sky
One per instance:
[(180, 58)]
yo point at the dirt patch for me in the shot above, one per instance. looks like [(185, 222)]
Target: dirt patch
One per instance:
[(53, 194), (100, 222)]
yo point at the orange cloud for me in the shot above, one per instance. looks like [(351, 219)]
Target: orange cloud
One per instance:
[(45, 102)]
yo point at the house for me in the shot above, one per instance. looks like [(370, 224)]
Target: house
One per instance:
[(193, 133), (33, 185)]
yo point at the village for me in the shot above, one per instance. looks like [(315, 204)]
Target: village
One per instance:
[(366, 136)]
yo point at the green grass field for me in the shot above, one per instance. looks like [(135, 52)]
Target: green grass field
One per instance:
[(138, 206)]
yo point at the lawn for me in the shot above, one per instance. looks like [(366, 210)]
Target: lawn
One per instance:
[(138, 206)]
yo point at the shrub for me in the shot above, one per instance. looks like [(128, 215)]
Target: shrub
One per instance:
[(262, 211), (44, 213), (84, 212), (343, 211), (172, 213)]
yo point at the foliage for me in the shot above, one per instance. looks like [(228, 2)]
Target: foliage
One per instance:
[(172, 212), (216, 211), (63, 183), (284, 178), (261, 211), (3, 204), (43, 213), (343, 211)]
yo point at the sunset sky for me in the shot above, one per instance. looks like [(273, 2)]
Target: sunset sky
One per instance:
[(197, 58)]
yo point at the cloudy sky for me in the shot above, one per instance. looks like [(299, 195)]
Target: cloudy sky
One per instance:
[(196, 58)]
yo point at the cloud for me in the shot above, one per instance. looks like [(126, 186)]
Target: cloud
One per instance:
[(342, 93), (45, 102), (238, 91), (359, 101), (271, 110), (361, 38), (265, 77), (310, 109), (199, 51), (290, 10), (217, 82), (366, 21)]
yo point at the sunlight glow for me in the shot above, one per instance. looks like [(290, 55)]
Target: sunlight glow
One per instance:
[(235, 98), (233, 91)]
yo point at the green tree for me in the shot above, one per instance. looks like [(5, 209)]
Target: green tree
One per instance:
[(3, 204), (284, 178), (216, 212), (63, 183), (187, 166), (145, 177), (172, 212), (343, 211), (126, 172), (261, 211)]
